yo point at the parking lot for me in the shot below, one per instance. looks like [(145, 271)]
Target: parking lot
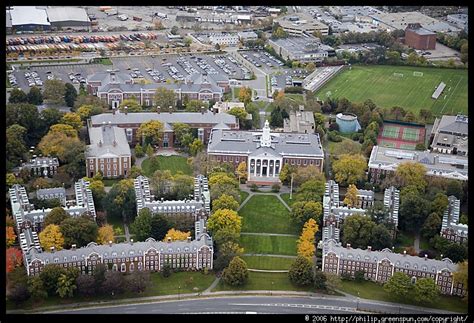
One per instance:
[(157, 69), (263, 60)]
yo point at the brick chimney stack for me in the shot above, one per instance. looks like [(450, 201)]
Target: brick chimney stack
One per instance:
[(126, 110), (348, 246), (158, 109), (169, 240), (170, 109), (73, 247), (52, 249), (110, 243), (131, 242), (202, 110), (369, 248)]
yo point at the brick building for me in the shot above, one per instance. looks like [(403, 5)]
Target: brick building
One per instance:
[(109, 152), (379, 266), (264, 152), (41, 166), (418, 37), (203, 122)]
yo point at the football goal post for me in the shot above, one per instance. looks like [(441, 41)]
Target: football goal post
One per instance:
[(398, 74), (417, 73)]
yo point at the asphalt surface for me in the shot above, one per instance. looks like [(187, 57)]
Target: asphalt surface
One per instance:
[(255, 305)]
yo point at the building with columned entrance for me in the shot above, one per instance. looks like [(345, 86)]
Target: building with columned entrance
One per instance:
[(265, 152)]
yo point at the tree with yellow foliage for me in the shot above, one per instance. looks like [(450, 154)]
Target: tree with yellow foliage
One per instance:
[(245, 95), (176, 235), (73, 119), (306, 242), (461, 276), (242, 170), (150, 132), (11, 236), (105, 234), (51, 236), (351, 196)]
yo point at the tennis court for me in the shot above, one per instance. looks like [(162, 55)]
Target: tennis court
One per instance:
[(391, 131), (386, 143), (411, 134), (408, 146)]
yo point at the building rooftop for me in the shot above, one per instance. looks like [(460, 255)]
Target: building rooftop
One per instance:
[(28, 15), (58, 14), (300, 45), (300, 21), (54, 190), (110, 77), (299, 121), (265, 143), (165, 117), (400, 20), (107, 140), (449, 166), (399, 260)]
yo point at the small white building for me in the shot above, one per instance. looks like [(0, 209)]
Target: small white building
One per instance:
[(224, 39), (247, 35), (223, 107)]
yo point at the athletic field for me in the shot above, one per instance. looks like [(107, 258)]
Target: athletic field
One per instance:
[(389, 86)]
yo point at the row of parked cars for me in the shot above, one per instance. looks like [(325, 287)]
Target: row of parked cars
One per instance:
[(12, 78), (79, 39), (76, 78), (156, 75), (33, 79)]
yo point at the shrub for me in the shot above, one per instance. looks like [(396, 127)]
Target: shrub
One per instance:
[(166, 271), (359, 275), (254, 187), (334, 136), (276, 188)]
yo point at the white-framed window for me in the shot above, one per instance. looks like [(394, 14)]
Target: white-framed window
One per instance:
[(131, 267), (123, 267), (91, 166), (125, 165), (114, 267)]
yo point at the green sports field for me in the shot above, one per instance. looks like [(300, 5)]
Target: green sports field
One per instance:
[(410, 92)]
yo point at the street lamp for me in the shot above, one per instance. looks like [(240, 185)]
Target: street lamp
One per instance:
[(271, 292), (179, 292), (358, 300)]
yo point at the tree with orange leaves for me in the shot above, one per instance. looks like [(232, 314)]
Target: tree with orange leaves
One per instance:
[(11, 236), (14, 259)]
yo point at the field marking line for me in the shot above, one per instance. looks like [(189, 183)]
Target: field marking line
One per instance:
[(452, 94)]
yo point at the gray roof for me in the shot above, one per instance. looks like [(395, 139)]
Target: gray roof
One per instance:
[(451, 218), (449, 166), (299, 121), (107, 141), (422, 31), (300, 45), (9, 20), (119, 250), (185, 117), (398, 260), (42, 162), (58, 14), (54, 190), (452, 124), (28, 15), (367, 193), (282, 144)]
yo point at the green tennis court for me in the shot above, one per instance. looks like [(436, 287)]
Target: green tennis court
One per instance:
[(390, 132), (411, 134), (388, 144)]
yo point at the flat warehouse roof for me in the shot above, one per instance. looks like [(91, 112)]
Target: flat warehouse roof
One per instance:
[(67, 14), (28, 15)]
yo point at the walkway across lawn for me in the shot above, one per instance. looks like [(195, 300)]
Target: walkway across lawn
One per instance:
[(171, 163)]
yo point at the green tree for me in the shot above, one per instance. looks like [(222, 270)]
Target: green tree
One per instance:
[(50, 277), (301, 272), (279, 32), (139, 151), (120, 201), (399, 285), (138, 281), (196, 106), (411, 173), (79, 231), (225, 202), (149, 151), (17, 96), (66, 286), (15, 144), (150, 132), (54, 92), (461, 275), (349, 169), (285, 173), (240, 114), (319, 280), (182, 186), (440, 203), (454, 188), (456, 252), (431, 226), (196, 147), (50, 116), (414, 210), (164, 98), (303, 211), (236, 274), (357, 230), (132, 105), (159, 227), (141, 227), (380, 237), (36, 288), (70, 94), (180, 131), (304, 174), (56, 216), (425, 290)]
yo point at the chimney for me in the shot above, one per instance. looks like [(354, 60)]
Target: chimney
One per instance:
[(100, 143), (73, 247), (426, 256), (189, 239), (114, 143), (110, 243), (52, 249), (369, 248), (348, 246), (169, 240), (170, 109), (131, 242), (404, 252), (110, 124), (158, 109), (202, 110)]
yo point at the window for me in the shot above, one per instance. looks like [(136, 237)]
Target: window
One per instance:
[(123, 268), (131, 267)]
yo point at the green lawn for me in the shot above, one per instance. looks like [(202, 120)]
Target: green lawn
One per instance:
[(103, 61), (110, 182), (264, 281), (371, 290), (171, 163), (286, 197), (413, 93), (276, 245), (267, 262), (177, 283), (346, 146), (272, 218), (243, 196)]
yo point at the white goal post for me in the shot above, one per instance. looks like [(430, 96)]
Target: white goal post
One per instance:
[(417, 73), (398, 74)]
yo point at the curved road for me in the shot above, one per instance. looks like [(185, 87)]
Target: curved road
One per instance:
[(255, 305)]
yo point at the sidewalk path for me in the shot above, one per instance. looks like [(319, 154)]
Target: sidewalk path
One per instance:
[(213, 285), (416, 243), (127, 233)]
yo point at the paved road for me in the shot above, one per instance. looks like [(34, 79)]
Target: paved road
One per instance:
[(256, 305)]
